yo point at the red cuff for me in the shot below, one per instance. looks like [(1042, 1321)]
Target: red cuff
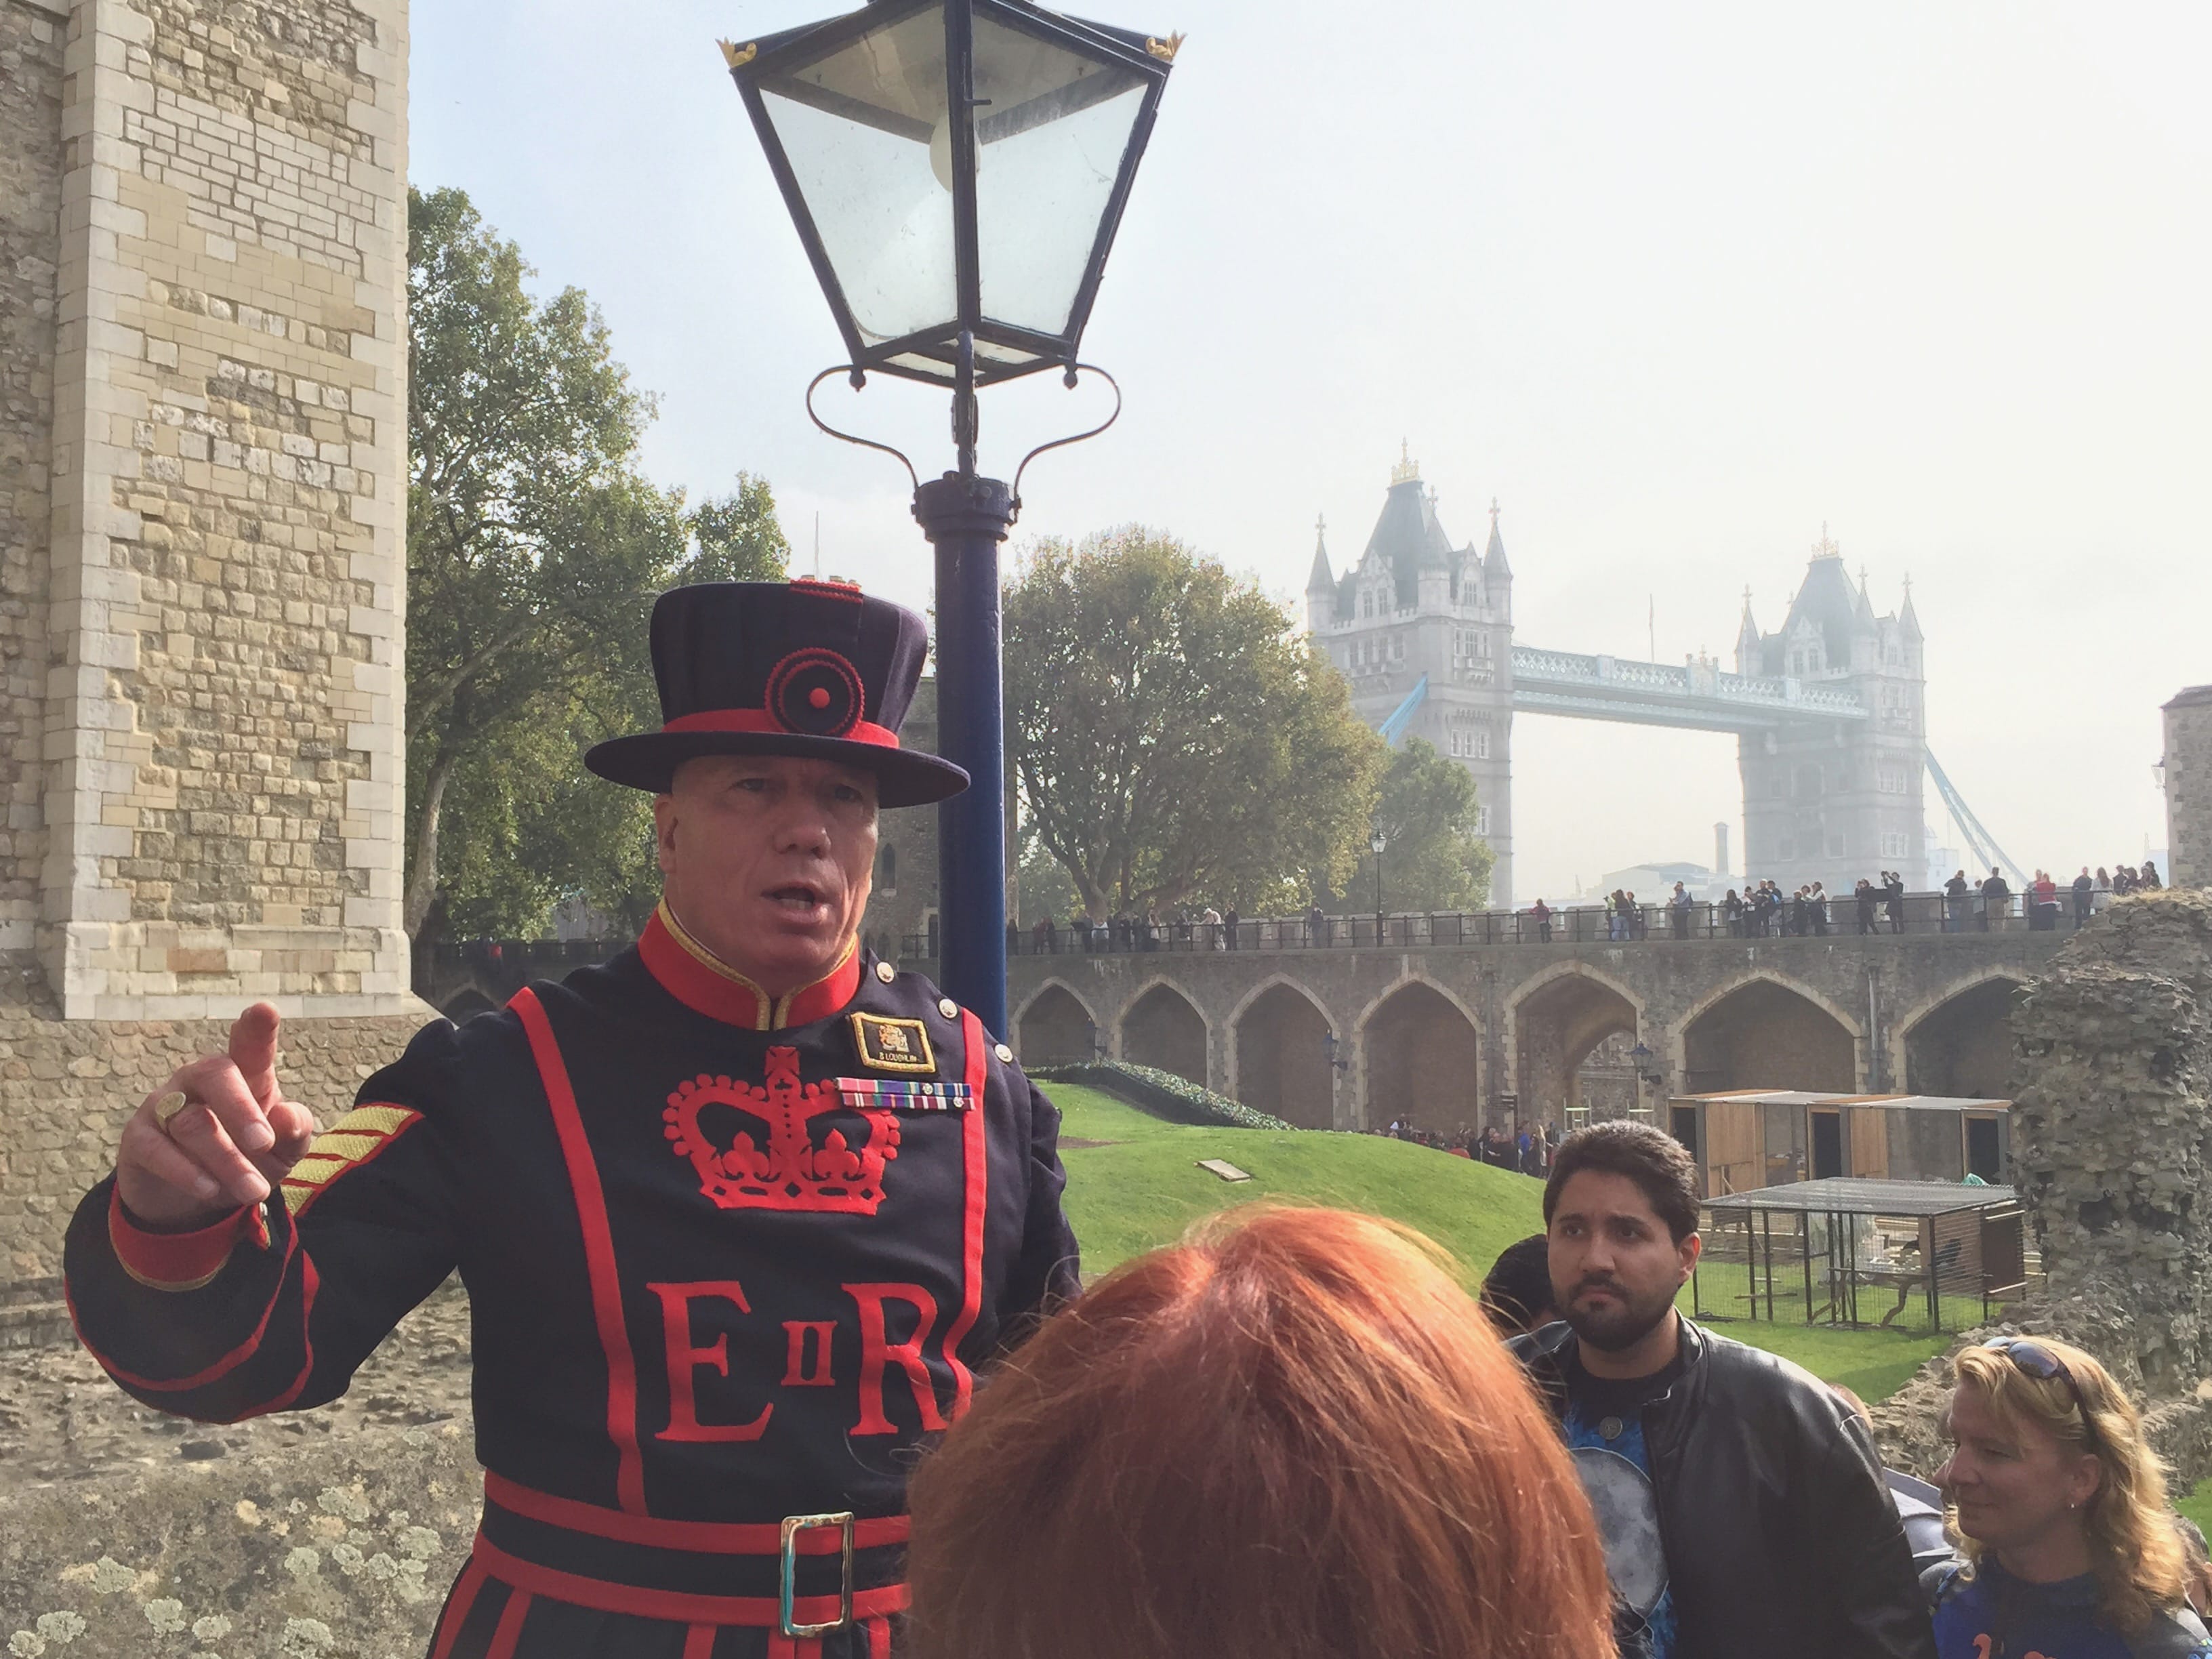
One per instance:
[(180, 1261)]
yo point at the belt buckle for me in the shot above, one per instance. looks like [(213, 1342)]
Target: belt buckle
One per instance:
[(787, 1591)]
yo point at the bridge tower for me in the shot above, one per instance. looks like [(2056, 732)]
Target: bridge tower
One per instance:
[(1834, 800), (1417, 614)]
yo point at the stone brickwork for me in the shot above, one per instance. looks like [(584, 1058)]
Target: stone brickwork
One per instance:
[(32, 37), (2189, 787), (2113, 1129), (222, 641)]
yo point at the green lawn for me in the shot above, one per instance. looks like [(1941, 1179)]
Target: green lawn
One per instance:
[(1144, 1189), (2197, 1504)]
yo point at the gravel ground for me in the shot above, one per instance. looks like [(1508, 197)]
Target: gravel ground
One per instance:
[(324, 1535)]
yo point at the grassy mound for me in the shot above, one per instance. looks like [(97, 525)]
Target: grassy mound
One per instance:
[(1144, 1187), (1139, 1186)]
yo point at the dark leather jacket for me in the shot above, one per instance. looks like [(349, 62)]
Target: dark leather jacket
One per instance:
[(1781, 1540)]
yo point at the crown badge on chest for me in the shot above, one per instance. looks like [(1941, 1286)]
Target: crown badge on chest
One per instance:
[(754, 1143)]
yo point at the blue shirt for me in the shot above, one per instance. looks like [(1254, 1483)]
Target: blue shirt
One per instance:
[(1993, 1615)]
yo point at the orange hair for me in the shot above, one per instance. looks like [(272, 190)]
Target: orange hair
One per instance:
[(1291, 1436)]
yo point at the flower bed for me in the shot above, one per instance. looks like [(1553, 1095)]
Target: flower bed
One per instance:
[(1163, 1094)]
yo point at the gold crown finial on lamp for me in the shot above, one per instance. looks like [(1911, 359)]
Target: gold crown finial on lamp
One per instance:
[(1407, 469)]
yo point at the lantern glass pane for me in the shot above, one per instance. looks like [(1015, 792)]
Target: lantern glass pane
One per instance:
[(864, 127), (1050, 143)]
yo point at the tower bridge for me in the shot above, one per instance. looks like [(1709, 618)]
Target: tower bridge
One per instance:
[(1828, 711)]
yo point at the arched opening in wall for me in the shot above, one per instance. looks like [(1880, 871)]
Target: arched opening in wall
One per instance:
[(1606, 1082), (1765, 1036), (1424, 1062), (1557, 1029), (886, 876), (1963, 1046), (1055, 1028), (1164, 1030), (466, 1004), (1282, 1066)]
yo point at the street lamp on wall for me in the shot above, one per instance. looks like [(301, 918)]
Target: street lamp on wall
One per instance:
[(1329, 1046), (1376, 843), (956, 170)]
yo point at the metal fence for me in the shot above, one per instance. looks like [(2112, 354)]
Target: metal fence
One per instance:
[(1581, 924)]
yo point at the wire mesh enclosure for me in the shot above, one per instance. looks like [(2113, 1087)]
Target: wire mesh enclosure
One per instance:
[(1907, 1255)]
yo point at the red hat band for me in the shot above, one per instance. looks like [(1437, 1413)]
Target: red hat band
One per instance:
[(811, 693)]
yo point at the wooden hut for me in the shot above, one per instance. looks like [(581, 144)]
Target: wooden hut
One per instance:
[(1744, 1138)]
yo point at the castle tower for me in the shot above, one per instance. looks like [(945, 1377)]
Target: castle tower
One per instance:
[(203, 275), (1413, 606), (1834, 800)]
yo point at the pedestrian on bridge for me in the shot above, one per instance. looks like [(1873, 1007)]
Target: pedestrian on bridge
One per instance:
[(1867, 898), (1956, 893)]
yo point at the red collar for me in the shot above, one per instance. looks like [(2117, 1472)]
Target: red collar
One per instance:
[(699, 980)]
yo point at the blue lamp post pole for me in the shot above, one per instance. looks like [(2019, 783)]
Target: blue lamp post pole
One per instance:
[(965, 517), (955, 170)]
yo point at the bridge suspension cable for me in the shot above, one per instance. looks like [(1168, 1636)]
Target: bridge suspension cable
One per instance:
[(1395, 727), (1983, 843)]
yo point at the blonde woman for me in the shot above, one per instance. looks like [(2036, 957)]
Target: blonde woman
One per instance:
[(2070, 1547)]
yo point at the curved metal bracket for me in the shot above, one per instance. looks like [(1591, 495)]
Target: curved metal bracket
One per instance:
[(859, 379), (1068, 380)]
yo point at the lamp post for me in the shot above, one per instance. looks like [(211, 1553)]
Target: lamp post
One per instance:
[(1641, 1058), (1376, 844), (956, 170)]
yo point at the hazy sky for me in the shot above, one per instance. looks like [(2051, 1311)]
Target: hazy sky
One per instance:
[(1676, 285)]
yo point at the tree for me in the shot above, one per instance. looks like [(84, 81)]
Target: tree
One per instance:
[(1432, 859), (1174, 735), (535, 548)]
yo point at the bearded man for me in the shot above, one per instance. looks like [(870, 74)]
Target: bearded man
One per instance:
[(741, 1214), (1742, 1505)]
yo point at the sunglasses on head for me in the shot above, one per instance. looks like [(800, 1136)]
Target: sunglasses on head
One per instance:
[(2033, 1360)]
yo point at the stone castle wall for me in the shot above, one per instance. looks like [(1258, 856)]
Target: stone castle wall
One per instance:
[(33, 35), (212, 813), (202, 447), (2113, 1132), (2189, 787)]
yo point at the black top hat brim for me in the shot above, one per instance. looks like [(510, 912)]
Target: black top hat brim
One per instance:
[(648, 761)]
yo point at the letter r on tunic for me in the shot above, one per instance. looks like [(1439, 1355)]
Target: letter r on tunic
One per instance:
[(878, 1350)]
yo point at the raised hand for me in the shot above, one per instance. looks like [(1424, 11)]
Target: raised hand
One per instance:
[(217, 1134)]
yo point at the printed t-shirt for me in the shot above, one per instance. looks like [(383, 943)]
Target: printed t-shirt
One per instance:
[(1605, 1435)]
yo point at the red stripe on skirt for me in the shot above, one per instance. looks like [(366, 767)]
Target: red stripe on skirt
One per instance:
[(457, 1608), (598, 1251), (510, 1626)]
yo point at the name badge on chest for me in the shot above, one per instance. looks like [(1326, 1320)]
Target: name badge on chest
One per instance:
[(893, 1045)]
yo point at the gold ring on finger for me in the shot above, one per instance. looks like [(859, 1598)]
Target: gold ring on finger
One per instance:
[(167, 1108)]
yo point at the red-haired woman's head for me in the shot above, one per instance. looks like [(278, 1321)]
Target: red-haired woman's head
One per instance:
[(1292, 1435)]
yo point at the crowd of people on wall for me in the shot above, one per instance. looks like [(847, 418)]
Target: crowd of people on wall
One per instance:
[(1758, 909)]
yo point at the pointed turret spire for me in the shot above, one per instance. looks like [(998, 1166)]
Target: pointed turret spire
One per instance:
[(1321, 580), (1908, 621), (1494, 567), (1748, 644)]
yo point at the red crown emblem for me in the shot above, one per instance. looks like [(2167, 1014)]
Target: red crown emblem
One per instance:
[(791, 1171)]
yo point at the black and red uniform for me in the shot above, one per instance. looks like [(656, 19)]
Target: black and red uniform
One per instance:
[(729, 1261)]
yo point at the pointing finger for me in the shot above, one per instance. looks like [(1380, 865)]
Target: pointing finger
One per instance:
[(217, 1084), (254, 1050)]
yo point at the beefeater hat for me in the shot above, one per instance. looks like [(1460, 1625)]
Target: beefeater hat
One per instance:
[(812, 668)]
